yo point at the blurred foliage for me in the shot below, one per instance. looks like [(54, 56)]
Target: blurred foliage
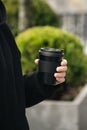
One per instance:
[(42, 14), (12, 14), (31, 40)]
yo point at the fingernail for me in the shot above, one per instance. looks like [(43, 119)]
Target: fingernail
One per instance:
[(57, 69), (55, 74)]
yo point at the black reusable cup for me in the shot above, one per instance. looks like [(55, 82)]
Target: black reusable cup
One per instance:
[(49, 59)]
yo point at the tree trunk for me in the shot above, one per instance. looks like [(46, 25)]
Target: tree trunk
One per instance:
[(25, 14)]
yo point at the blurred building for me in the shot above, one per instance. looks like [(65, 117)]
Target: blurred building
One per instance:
[(74, 16)]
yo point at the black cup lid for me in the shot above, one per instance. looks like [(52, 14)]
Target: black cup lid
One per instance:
[(51, 52)]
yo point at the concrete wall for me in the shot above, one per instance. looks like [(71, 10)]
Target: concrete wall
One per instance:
[(54, 115)]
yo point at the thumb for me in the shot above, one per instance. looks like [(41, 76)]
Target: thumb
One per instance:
[(36, 61)]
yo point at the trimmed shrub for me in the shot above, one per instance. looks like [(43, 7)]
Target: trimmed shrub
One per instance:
[(31, 40)]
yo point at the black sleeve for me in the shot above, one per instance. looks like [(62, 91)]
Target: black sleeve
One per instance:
[(35, 91)]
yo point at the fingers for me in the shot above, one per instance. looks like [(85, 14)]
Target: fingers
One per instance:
[(64, 62), (60, 80), (61, 72), (61, 69), (60, 75), (36, 61)]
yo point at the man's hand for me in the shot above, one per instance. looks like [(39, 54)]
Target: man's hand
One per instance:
[(60, 71)]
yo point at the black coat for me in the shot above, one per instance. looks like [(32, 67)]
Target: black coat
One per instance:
[(16, 91)]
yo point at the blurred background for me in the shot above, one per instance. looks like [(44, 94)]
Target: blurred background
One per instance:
[(60, 24), (70, 15)]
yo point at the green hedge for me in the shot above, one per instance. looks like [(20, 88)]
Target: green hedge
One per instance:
[(30, 41)]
